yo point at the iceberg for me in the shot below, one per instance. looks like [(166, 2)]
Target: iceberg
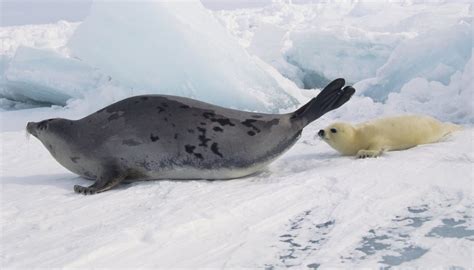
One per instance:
[(175, 48), (448, 102), (434, 56), (328, 54), (44, 76)]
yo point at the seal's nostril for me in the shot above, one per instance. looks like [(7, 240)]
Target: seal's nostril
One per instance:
[(321, 133)]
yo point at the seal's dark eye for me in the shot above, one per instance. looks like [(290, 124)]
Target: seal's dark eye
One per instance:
[(333, 130)]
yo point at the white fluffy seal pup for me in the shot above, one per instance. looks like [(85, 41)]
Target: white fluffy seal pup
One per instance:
[(372, 138)]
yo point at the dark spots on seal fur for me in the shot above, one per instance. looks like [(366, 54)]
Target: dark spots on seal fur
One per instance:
[(250, 123), (164, 104), (75, 159), (166, 119), (160, 109), (218, 129), (184, 107), (208, 115), (274, 121), (154, 138), (51, 149), (176, 136), (130, 142), (144, 98), (113, 117), (189, 148), (202, 137), (202, 124), (191, 131), (173, 125), (215, 149), (251, 133), (222, 121)]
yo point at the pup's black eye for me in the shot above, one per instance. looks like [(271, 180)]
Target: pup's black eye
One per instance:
[(333, 130)]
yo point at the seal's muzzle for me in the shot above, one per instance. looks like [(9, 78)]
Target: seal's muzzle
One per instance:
[(31, 127)]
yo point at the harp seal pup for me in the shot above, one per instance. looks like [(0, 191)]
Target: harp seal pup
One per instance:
[(169, 137), (372, 138)]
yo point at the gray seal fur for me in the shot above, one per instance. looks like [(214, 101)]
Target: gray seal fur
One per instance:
[(169, 137)]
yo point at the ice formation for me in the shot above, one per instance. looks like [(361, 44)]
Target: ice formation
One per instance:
[(46, 76), (175, 48), (384, 48), (435, 56)]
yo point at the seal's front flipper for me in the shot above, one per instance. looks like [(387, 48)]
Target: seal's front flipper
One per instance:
[(369, 153), (103, 183), (331, 97)]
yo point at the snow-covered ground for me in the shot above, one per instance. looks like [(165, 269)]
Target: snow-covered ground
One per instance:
[(311, 208)]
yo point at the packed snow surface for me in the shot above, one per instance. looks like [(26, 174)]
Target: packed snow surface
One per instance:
[(311, 208)]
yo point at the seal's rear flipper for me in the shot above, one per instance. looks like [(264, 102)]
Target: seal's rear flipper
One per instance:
[(331, 97), (103, 183)]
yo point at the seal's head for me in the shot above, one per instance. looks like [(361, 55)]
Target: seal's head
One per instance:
[(40, 129), (340, 136), (49, 131)]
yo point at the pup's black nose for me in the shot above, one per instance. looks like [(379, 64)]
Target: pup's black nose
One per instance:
[(321, 133)]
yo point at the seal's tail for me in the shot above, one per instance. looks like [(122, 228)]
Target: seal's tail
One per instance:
[(331, 97)]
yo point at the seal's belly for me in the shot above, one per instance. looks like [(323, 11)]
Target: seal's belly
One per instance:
[(188, 173), (179, 167)]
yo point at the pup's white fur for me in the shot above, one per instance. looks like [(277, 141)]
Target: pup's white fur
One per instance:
[(372, 138)]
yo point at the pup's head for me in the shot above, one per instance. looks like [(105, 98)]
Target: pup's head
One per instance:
[(339, 136)]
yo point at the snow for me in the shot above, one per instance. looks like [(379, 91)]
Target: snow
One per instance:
[(310, 208)]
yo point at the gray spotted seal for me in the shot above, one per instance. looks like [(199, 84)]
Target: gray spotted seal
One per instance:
[(170, 137)]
